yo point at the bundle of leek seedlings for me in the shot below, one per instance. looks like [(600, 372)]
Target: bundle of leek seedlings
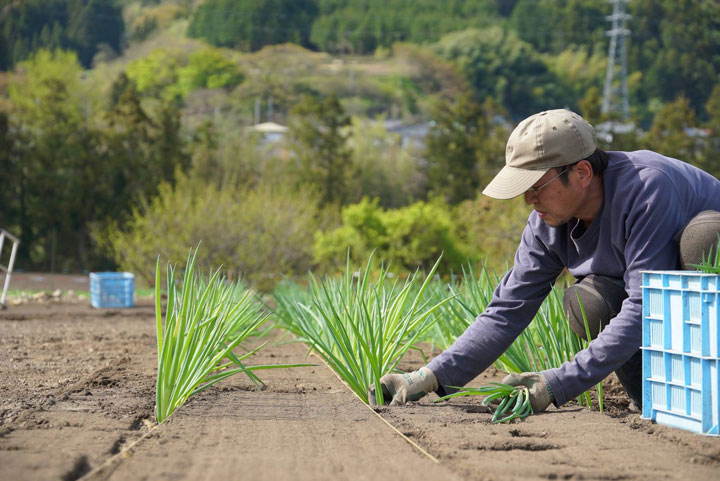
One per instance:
[(513, 402), (205, 321), (360, 325)]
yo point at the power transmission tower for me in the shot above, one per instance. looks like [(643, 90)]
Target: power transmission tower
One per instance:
[(615, 98)]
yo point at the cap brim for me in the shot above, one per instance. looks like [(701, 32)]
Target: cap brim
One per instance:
[(511, 182)]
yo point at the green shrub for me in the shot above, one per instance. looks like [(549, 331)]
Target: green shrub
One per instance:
[(208, 69), (155, 74), (260, 234), (408, 237), (173, 74)]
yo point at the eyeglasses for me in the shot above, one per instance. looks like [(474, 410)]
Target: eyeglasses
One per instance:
[(535, 190)]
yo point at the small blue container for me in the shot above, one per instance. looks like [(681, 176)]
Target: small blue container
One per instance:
[(681, 350), (112, 289)]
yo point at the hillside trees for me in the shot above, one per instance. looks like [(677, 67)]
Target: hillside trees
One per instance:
[(673, 47), (77, 25), (284, 73), (69, 170), (579, 68), (464, 149), (52, 147), (532, 20), (142, 22), (502, 67), (137, 143), (551, 26), (357, 27), (669, 132), (8, 171), (361, 27), (252, 24), (676, 44), (172, 74), (381, 167), (208, 69), (156, 75), (319, 133), (491, 228)]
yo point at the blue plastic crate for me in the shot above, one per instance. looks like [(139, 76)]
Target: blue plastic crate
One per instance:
[(681, 349), (112, 289)]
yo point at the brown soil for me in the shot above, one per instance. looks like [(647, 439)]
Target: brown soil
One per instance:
[(77, 402), (48, 282)]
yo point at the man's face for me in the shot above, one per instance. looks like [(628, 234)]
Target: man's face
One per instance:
[(555, 202)]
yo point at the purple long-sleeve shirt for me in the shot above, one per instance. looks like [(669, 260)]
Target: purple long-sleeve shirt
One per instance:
[(648, 199)]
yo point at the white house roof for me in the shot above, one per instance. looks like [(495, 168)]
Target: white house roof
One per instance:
[(270, 128)]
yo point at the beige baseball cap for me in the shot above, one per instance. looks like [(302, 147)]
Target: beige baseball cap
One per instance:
[(554, 138)]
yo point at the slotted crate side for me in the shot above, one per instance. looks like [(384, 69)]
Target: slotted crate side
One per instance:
[(112, 289), (681, 390), (681, 350), (681, 312)]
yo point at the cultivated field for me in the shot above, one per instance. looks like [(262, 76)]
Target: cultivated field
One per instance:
[(78, 395)]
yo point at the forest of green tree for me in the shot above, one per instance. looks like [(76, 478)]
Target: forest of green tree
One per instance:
[(675, 44), (82, 26), (126, 125)]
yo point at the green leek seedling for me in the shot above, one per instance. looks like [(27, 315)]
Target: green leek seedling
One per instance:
[(204, 322), (512, 402)]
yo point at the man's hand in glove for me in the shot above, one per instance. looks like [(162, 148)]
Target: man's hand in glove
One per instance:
[(540, 394), (398, 389)]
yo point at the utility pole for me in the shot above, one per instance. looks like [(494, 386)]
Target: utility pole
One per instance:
[(615, 98)]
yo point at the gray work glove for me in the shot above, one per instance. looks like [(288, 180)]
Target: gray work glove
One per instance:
[(540, 394), (398, 389)]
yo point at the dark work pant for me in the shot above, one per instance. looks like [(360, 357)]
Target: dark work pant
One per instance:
[(601, 298), (630, 376)]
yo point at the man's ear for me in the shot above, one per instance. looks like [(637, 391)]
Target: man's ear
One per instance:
[(584, 171)]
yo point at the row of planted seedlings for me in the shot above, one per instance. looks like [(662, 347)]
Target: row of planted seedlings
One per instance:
[(361, 324), (209, 329)]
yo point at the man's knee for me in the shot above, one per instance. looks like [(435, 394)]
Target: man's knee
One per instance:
[(699, 239), (599, 298)]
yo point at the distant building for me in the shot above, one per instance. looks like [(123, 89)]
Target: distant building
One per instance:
[(270, 131), (411, 135)]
